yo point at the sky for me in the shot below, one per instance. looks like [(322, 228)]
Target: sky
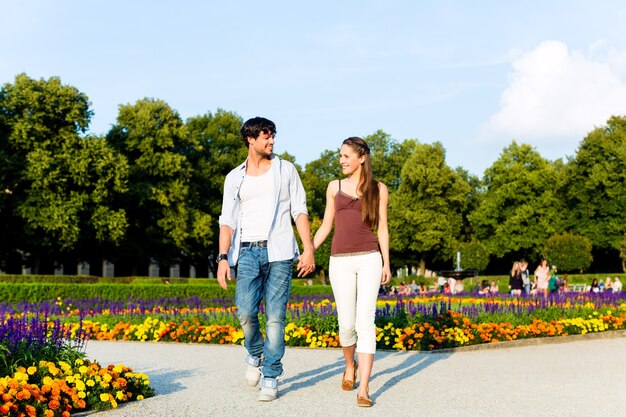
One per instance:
[(473, 75)]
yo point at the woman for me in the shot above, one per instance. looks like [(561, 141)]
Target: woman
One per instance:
[(515, 280), (359, 260), (542, 276), (404, 289)]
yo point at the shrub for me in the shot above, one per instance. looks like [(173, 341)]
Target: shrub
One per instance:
[(569, 252)]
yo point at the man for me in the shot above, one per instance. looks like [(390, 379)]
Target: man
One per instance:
[(260, 197)]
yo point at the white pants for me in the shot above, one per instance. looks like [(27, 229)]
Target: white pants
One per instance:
[(355, 280)]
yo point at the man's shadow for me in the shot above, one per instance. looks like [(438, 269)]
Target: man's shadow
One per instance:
[(165, 381), (413, 364), (312, 377)]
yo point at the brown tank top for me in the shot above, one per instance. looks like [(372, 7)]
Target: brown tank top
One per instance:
[(351, 236)]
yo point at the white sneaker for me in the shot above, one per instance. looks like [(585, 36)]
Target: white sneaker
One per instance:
[(269, 389), (253, 371), (253, 375)]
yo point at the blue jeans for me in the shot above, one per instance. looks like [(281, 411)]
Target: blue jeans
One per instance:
[(257, 279)]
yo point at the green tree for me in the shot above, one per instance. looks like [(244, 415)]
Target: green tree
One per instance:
[(58, 185), (426, 213), (161, 219), (317, 174), (474, 255), (519, 206), (595, 190), (388, 158), (622, 252), (569, 252), (220, 149)]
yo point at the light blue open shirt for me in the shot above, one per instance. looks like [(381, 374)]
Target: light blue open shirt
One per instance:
[(289, 198)]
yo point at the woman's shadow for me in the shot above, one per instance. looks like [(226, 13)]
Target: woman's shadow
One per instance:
[(411, 365)]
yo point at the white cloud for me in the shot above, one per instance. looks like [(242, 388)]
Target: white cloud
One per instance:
[(555, 93)]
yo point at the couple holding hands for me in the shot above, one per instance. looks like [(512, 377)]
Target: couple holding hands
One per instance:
[(261, 196)]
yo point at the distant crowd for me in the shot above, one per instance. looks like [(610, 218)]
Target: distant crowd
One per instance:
[(544, 281)]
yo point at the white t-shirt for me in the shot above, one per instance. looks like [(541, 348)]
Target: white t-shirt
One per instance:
[(257, 203)]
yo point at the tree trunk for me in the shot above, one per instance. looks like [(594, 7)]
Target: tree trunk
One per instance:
[(422, 268)]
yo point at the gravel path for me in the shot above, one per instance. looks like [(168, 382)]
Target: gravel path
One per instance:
[(583, 377)]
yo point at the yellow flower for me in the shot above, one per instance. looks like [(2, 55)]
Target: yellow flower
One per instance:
[(104, 397), (81, 394), (83, 369), (90, 383), (119, 395), (139, 397), (31, 370)]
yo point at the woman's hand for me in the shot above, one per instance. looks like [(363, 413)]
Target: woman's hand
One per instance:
[(386, 275)]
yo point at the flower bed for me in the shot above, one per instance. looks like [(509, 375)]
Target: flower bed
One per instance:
[(43, 371), (418, 323)]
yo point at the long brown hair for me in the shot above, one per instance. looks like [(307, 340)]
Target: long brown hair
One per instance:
[(368, 187)]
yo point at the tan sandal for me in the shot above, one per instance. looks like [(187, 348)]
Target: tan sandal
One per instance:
[(349, 385), (363, 401)]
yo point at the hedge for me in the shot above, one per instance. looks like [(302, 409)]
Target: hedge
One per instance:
[(12, 293)]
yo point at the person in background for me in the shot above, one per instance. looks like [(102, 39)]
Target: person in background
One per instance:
[(525, 276), (601, 285), (423, 289), (553, 284), (404, 289), (608, 285), (515, 280), (617, 285), (452, 285), (359, 261), (494, 287), (440, 282), (414, 287), (564, 287), (542, 275), (594, 286), (484, 287), (446, 288)]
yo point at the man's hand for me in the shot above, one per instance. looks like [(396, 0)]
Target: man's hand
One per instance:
[(223, 273), (306, 263)]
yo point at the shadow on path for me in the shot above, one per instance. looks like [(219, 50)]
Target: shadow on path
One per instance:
[(168, 381), (312, 377), (409, 367)]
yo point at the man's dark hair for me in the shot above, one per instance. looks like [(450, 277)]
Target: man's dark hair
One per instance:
[(252, 128)]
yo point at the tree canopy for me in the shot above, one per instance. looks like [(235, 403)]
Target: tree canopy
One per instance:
[(151, 189)]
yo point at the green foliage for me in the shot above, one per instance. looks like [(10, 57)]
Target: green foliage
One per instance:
[(568, 252), (474, 255), (219, 150), (595, 186), (35, 292), (426, 213), (317, 174), (153, 187), (622, 252), (161, 218), (58, 185), (388, 157), (519, 206)]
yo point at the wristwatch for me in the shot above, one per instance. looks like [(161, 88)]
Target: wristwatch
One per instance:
[(221, 257)]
